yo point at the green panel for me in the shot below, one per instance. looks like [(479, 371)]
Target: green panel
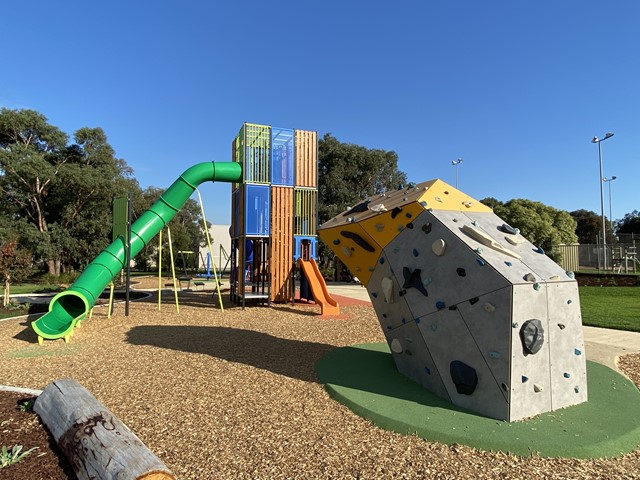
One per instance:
[(120, 211), (257, 151)]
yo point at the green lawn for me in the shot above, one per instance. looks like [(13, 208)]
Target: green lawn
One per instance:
[(611, 307)]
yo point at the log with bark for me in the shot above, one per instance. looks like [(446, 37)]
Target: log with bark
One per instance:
[(98, 445)]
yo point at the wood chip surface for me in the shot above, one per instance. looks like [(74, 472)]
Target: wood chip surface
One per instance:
[(233, 395)]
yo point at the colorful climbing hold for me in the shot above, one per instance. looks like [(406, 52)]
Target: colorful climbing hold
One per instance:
[(524, 379), (440, 305), (408, 215), (529, 277), (577, 352), (508, 264), (381, 261), (540, 250), (415, 252), (481, 262), (570, 274), (537, 286), (566, 375), (336, 241), (537, 388), (428, 370), (495, 355), (489, 308)]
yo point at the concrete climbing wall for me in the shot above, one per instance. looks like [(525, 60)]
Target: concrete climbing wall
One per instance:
[(471, 310)]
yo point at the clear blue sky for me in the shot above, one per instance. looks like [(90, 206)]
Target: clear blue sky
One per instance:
[(517, 89)]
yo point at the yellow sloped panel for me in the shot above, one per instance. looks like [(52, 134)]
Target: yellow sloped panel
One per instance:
[(442, 196), (357, 250), (385, 226)]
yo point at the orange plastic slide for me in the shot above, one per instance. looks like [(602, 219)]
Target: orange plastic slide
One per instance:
[(328, 306)]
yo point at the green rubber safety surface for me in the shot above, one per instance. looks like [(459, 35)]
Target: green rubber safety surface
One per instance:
[(365, 379)]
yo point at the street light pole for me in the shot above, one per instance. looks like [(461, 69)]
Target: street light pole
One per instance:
[(609, 180), (455, 163), (604, 229)]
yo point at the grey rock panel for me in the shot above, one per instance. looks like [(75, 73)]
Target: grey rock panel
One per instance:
[(538, 263), (450, 278), (396, 313), (489, 323), (415, 361), (566, 343), (448, 339), (530, 374)]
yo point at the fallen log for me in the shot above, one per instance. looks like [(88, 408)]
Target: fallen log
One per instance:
[(98, 445)]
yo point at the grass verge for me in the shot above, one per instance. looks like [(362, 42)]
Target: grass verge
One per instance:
[(611, 307)]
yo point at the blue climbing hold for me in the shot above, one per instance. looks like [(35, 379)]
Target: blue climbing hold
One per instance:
[(381, 260), (336, 241), (508, 264), (577, 352), (440, 305), (494, 354), (567, 375), (426, 369), (374, 294), (525, 379), (481, 262), (408, 215), (570, 274), (540, 250), (415, 252)]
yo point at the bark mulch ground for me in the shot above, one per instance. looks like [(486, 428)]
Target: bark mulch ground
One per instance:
[(233, 394)]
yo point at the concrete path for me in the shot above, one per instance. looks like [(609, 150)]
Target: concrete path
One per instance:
[(602, 345)]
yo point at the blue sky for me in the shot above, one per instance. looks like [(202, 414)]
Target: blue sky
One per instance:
[(517, 89)]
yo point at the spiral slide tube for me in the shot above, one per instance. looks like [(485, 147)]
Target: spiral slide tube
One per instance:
[(72, 305)]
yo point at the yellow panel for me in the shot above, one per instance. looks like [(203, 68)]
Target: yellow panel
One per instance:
[(441, 196), (385, 226), (347, 243)]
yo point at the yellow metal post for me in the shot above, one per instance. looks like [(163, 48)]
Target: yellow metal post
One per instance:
[(173, 270), (206, 231)]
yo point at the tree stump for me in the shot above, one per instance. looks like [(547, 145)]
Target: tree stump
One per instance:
[(98, 445)]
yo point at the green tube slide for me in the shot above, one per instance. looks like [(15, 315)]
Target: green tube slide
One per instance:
[(71, 306)]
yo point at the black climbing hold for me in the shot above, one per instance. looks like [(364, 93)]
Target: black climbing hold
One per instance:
[(410, 226), (561, 326), (509, 229), (361, 207), (474, 300), (453, 307), (504, 387), (408, 352), (417, 320), (426, 228), (532, 336), (361, 242), (426, 369), (464, 377), (395, 212), (415, 252), (413, 280), (461, 272)]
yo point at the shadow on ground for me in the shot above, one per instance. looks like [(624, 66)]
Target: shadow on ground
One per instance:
[(292, 358)]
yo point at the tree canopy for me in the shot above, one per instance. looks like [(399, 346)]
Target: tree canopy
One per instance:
[(630, 223), (349, 173), (541, 224), (58, 196)]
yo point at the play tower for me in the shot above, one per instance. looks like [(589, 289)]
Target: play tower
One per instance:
[(274, 210)]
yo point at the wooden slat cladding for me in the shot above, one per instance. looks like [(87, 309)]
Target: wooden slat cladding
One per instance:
[(281, 262), (306, 158)]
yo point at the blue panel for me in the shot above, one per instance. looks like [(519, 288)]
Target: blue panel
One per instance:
[(282, 161), (257, 210), (313, 241)]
